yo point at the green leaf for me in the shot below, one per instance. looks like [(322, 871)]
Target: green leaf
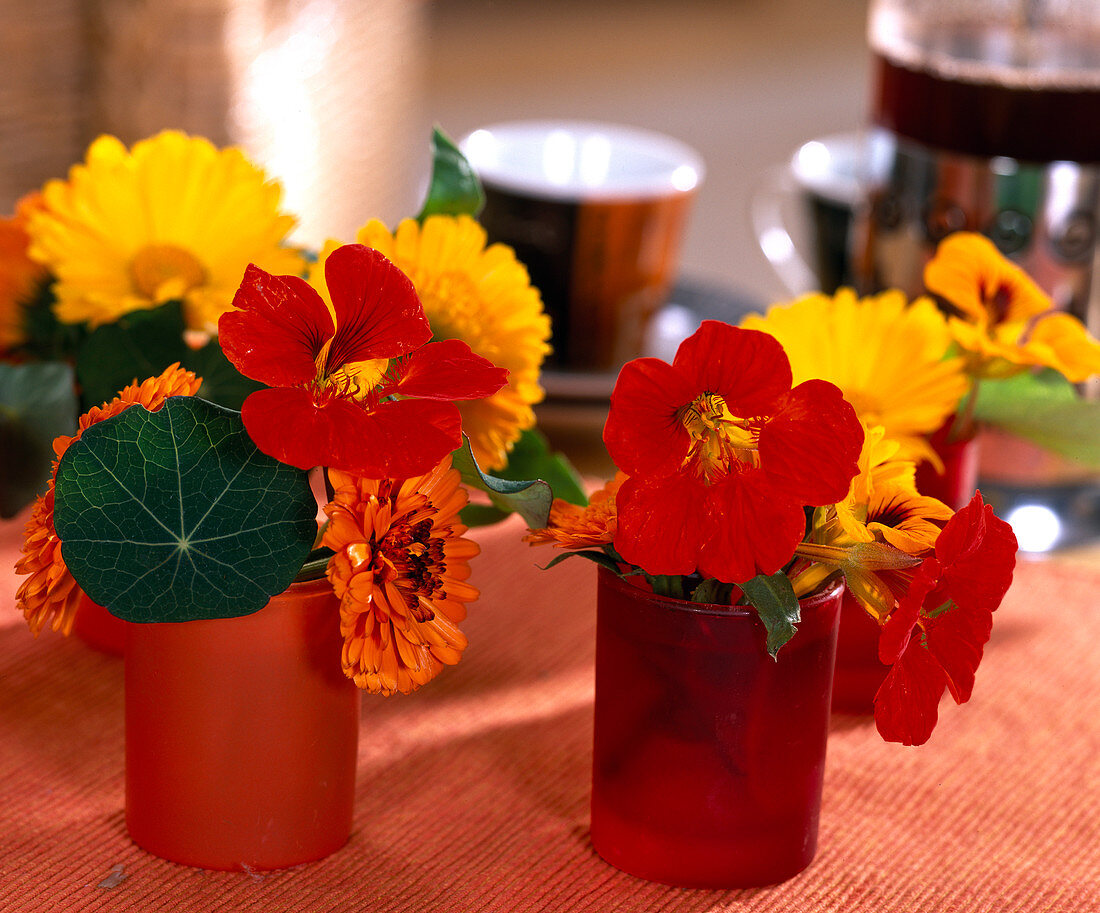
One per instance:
[(482, 515), (47, 338), (775, 602), (531, 458), (599, 558), (671, 585), (221, 382), (531, 499), (37, 403), (1044, 408), (454, 189), (175, 515), (139, 345)]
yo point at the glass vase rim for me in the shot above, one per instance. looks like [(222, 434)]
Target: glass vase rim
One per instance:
[(811, 601)]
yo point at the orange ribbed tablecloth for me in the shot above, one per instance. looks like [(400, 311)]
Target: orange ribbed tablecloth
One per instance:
[(473, 793)]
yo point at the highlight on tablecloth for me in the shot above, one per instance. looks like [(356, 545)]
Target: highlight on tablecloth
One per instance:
[(764, 483)]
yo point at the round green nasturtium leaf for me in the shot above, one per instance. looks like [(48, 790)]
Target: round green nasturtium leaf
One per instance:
[(175, 515)]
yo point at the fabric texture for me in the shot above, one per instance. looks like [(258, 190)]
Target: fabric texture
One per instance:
[(473, 793)]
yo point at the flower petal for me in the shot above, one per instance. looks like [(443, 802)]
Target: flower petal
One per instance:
[(956, 638), (747, 368), (810, 448), (378, 313), (978, 553), (396, 439), (660, 524), (448, 370), (748, 529), (278, 329), (907, 702), (643, 433)]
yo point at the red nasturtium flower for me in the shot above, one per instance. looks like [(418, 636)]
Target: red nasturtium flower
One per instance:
[(356, 387), (723, 455), (934, 638)]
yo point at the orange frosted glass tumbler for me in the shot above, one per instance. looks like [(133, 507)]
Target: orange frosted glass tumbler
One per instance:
[(241, 736)]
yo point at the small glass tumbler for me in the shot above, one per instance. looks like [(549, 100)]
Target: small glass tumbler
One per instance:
[(709, 755)]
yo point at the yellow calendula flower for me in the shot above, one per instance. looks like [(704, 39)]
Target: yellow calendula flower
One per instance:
[(886, 355), (481, 295), (1003, 320), (882, 525), (173, 218)]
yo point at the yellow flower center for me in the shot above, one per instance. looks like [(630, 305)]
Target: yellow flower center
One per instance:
[(353, 380), (720, 441), (163, 272)]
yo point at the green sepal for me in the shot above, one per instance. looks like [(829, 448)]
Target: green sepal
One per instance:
[(175, 515), (531, 458), (531, 499), (599, 558), (37, 403), (454, 189), (1043, 407), (713, 592), (138, 345), (775, 602), (670, 585)]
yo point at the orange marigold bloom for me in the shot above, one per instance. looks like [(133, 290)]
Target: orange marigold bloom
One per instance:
[(50, 595), (572, 526), (19, 274), (400, 572)]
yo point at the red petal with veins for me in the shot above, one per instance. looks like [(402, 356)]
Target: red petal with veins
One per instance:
[(395, 440), (978, 552), (956, 638), (907, 702), (898, 628), (810, 447), (659, 524), (747, 368), (643, 433), (447, 370), (749, 529), (278, 329), (378, 313)]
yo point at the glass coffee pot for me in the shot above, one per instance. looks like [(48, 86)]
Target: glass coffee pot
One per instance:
[(989, 115)]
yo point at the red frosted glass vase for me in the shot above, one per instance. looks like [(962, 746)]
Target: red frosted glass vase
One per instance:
[(708, 754), (858, 670), (241, 736), (98, 628), (954, 486)]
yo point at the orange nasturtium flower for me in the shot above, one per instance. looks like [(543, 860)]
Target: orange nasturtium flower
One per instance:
[(50, 594), (572, 526), (400, 568), (1002, 319), (19, 274), (723, 455), (356, 385)]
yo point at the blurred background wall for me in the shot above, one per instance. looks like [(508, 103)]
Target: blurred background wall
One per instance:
[(336, 97)]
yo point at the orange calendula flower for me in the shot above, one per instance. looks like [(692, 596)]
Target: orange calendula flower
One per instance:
[(400, 572), (50, 595), (19, 274), (1003, 320), (572, 526)]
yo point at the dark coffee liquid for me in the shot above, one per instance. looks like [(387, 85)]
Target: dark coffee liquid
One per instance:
[(963, 95)]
